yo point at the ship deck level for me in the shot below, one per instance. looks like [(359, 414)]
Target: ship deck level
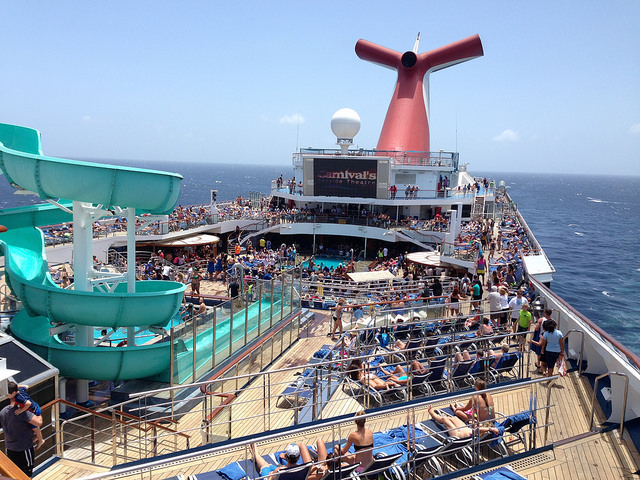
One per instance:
[(577, 453)]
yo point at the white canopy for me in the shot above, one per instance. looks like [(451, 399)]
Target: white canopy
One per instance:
[(426, 258), (202, 239), (360, 277)]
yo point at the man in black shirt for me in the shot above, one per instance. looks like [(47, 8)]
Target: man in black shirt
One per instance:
[(234, 289), (436, 288), (18, 436)]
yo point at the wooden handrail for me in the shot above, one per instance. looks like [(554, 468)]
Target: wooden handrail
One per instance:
[(151, 423), (9, 469), (229, 397)]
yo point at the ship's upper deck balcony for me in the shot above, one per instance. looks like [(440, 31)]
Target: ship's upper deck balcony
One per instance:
[(444, 161)]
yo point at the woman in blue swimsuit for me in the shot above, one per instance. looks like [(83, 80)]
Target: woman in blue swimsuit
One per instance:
[(400, 375)]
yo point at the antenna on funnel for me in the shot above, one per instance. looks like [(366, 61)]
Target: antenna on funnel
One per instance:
[(415, 45)]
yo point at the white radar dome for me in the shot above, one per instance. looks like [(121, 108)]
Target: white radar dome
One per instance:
[(345, 123)]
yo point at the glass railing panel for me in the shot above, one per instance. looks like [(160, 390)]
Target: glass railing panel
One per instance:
[(277, 343), (267, 351)]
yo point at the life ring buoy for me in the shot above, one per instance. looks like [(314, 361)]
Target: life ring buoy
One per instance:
[(123, 343)]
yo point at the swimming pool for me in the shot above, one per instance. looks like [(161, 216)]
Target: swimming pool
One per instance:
[(255, 309), (121, 333), (329, 262)]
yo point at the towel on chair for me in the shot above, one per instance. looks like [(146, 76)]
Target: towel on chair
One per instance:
[(232, 471)]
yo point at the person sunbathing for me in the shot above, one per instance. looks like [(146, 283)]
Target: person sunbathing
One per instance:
[(350, 341), (457, 428), (324, 463), (357, 372), (327, 461), (400, 375), (362, 441), (479, 407), (291, 455)]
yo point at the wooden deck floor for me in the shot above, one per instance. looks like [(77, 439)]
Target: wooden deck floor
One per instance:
[(576, 453)]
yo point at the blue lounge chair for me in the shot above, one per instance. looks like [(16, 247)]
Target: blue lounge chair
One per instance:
[(367, 395), (511, 426), (295, 473), (505, 367), (419, 384), (460, 374), (502, 473), (379, 466), (342, 472), (458, 447), (435, 381), (431, 347)]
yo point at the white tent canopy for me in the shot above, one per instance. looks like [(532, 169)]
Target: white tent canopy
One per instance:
[(360, 277), (426, 258), (202, 239)]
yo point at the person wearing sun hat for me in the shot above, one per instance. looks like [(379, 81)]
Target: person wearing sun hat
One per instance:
[(291, 455)]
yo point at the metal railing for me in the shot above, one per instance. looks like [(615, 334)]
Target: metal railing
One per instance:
[(599, 348), (336, 430), (263, 392), (147, 426), (624, 398)]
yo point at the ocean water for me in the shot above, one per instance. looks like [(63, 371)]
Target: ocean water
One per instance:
[(589, 228), (587, 225)]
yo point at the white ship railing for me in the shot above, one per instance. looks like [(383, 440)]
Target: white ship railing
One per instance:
[(448, 160), (602, 354)]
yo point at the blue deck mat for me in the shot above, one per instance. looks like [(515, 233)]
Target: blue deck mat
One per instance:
[(502, 473)]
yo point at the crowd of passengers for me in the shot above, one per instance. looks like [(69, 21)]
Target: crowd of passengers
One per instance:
[(269, 211), (265, 209), (201, 263), (274, 212), (497, 312)]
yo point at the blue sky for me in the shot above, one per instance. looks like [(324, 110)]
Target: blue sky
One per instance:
[(558, 89)]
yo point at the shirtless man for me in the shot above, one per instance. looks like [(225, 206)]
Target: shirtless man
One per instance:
[(457, 428), (202, 308)]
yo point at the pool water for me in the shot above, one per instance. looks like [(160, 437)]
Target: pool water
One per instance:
[(222, 328), (121, 333), (330, 262)]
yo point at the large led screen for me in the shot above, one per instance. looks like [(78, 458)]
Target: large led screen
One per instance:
[(345, 177)]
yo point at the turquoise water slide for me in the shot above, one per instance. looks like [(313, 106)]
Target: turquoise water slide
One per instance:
[(46, 304), (23, 164)]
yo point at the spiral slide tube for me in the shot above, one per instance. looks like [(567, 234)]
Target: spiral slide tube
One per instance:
[(154, 303)]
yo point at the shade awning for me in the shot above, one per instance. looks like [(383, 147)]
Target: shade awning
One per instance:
[(359, 277), (24, 366), (426, 258), (202, 239)]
